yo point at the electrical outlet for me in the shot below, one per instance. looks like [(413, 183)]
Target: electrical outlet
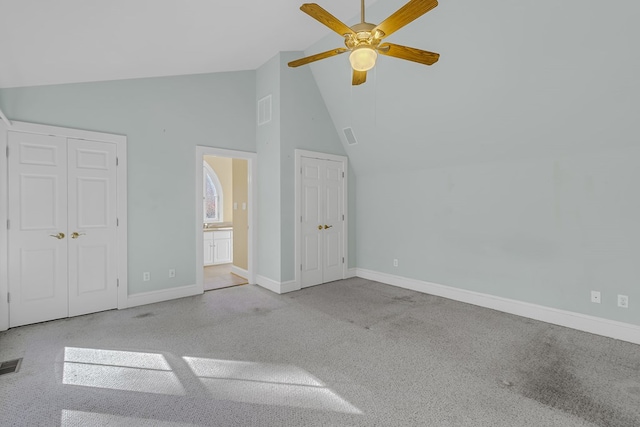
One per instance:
[(395, 262), (595, 297), (146, 276), (623, 301), (172, 273)]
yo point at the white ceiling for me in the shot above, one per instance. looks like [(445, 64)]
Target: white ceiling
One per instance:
[(64, 41)]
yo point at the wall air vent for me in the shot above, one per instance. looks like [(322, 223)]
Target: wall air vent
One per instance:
[(351, 138), (264, 110)]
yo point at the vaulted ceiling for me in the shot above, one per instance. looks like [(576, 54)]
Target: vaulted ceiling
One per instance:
[(65, 41)]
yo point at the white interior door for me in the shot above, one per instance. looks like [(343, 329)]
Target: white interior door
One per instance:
[(37, 234), (92, 227), (321, 221), (333, 186), (311, 224), (62, 235)]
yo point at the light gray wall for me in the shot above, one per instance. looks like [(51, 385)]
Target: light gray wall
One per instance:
[(510, 166), (268, 150), (164, 119)]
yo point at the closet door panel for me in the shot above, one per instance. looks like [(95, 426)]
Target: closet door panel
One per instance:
[(92, 227), (37, 244)]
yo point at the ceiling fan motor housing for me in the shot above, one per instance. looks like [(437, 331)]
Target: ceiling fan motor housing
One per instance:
[(363, 35)]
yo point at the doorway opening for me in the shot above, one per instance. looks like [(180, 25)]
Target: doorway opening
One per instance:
[(225, 229)]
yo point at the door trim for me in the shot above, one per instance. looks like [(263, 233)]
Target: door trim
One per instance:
[(299, 154), (252, 159), (121, 173)]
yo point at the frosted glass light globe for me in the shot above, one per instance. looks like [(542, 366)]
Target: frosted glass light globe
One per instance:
[(363, 58)]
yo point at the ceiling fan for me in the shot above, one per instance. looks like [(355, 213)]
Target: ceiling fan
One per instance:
[(363, 40)]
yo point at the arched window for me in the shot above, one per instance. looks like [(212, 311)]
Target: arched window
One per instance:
[(212, 195)]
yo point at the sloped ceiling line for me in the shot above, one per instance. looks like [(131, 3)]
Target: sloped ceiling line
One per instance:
[(73, 41), (5, 119)]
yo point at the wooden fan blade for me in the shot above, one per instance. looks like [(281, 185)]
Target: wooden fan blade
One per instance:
[(407, 13), (359, 77), (317, 57), (408, 53), (321, 15)]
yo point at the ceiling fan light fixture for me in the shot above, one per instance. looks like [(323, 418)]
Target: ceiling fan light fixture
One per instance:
[(363, 40), (363, 58)]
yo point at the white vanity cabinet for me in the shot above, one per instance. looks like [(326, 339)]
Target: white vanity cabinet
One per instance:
[(208, 247), (218, 247), (222, 246)]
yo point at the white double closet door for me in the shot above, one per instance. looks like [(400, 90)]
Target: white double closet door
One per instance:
[(62, 231), (322, 221)]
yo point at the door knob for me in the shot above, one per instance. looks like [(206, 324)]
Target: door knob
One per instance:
[(57, 236), (327, 226), (75, 235), (319, 227)]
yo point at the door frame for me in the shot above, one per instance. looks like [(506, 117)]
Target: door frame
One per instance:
[(299, 154), (252, 246), (121, 175)]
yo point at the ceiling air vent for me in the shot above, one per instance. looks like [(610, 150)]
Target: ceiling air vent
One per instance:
[(264, 110), (351, 138)]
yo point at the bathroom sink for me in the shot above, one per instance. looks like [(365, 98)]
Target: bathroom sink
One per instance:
[(214, 227)]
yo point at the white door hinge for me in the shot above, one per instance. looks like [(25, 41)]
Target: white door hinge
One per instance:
[(8, 224), (116, 161), (7, 151), (117, 222), (343, 260), (117, 283), (343, 174), (8, 297), (300, 267)]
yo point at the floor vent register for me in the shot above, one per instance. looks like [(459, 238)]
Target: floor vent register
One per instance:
[(10, 366)]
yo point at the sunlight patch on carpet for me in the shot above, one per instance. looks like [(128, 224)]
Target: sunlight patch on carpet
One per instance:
[(120, 370), (266, 384)]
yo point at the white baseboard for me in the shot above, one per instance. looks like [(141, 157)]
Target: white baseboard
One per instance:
[(289, 286), (144, 298), (240, 272), (582, 322), (351, 272), (267, 283), (277, 287)]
